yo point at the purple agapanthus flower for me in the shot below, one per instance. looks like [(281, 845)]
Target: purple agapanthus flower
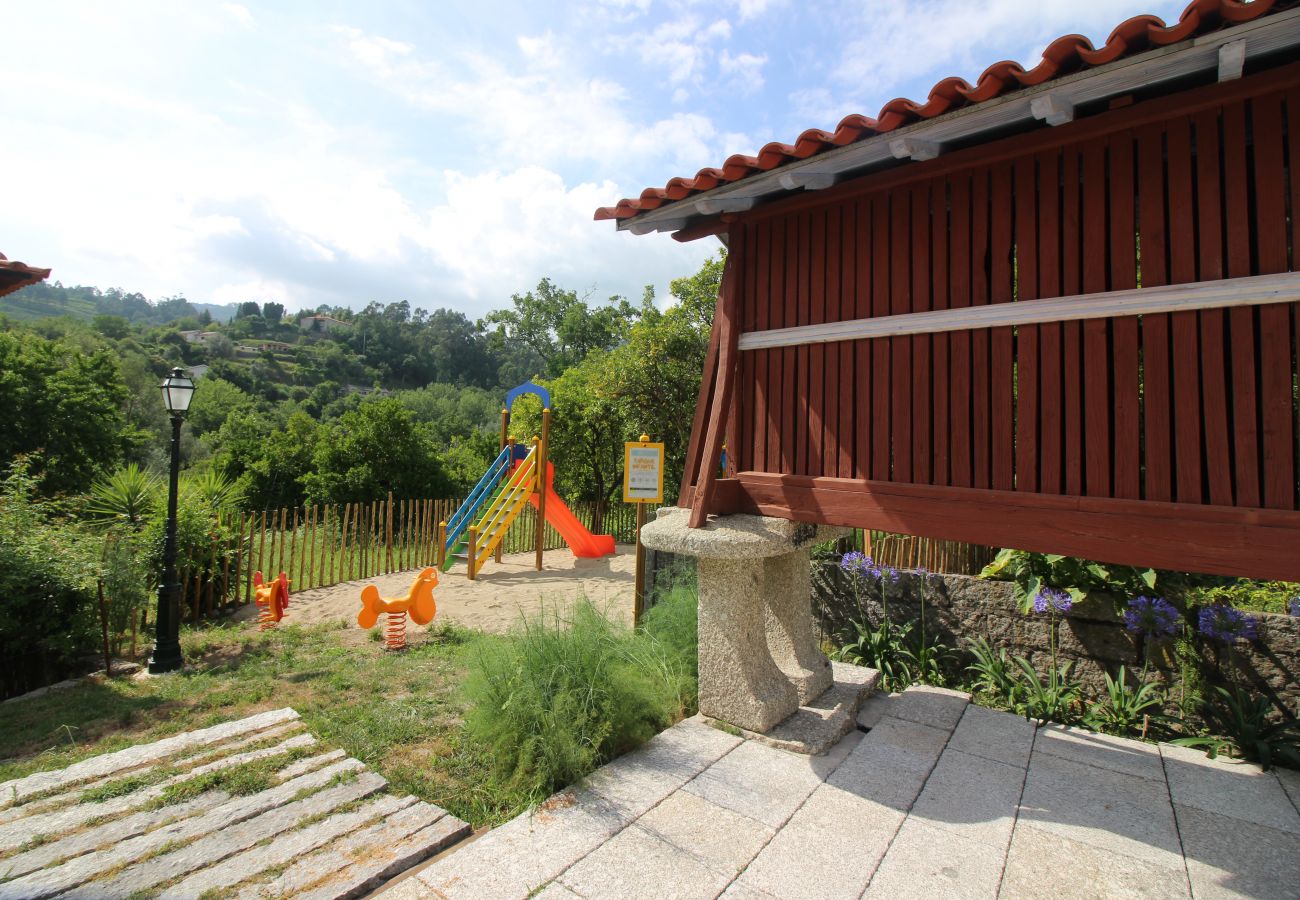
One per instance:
[(1154, 617), (854, 560), (1052, 600), (1294, 607), (1228, 624)]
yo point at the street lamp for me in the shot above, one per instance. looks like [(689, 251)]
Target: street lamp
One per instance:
[(177, 390)]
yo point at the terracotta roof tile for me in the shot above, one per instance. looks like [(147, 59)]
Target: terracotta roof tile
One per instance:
[(1068, 53)]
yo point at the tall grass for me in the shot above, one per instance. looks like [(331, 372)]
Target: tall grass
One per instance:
[(563, 694)]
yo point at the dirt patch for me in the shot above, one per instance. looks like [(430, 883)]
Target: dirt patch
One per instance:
[(495, 602)]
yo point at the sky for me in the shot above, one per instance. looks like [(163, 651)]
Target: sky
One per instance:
[(449, 155)]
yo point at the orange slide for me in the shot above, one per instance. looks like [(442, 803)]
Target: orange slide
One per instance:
[(581, 541)]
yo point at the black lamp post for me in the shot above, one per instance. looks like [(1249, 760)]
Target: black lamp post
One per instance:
[(177, 391)]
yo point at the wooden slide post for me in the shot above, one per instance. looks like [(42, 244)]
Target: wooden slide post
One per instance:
[(473, 550), (543, 451), (442, 544)]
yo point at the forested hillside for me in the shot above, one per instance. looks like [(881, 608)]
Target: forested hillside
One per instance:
[(332, 405)]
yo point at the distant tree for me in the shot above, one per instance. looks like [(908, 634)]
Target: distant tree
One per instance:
[(558, 326), (114, 327), (272, 312), (374, 449), (276, 477), (246, 309), (63, 409), (220, 346), (214, 401), (205, 318)]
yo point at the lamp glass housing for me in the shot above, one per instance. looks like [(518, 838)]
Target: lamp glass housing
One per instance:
[(177, 391)]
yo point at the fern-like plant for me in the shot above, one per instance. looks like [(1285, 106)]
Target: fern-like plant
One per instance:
[(1055, 698), (1240, 725), (1127, 708), (995, 673), (127, 497)]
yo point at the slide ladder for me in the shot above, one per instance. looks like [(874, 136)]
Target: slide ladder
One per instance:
[(484, 493), (501, 513)]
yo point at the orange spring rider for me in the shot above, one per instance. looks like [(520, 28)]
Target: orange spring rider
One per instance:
[(272, 600), (418, 603)]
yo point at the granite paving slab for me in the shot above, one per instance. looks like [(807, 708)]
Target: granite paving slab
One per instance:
[(1110, 810), (1104, 751), (1042, 864), (758, 781), (1228, 857), (637, 863), (152, 841), (926, 862), (1229, 787), (994, 734)]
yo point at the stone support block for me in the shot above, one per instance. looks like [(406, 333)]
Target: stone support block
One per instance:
[(758, 655)]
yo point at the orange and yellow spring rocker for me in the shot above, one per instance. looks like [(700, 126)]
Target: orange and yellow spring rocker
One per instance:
[(272, 600), (418, 602)]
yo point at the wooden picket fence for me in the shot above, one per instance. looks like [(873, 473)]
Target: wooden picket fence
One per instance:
[(318, 546), (907, 551)]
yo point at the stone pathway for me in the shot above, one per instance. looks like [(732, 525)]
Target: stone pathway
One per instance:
[(279, 817), (939, 798)]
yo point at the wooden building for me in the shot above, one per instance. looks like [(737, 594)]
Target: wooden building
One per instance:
[(1053, 310)]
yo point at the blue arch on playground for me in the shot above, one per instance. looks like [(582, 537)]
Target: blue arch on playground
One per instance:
[(528, 388)]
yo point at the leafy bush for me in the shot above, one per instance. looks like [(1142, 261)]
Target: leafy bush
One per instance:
[(881, 647), (562, 695), (1242, 593), (1127, 708), (48, 614), (1239, 723), (1032, 572), (1055, 698)]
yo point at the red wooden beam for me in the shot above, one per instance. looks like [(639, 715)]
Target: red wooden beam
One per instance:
[(1253, 543)]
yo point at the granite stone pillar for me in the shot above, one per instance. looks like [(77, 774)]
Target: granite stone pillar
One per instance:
[(758, 658)]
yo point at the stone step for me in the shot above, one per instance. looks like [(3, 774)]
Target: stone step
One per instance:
[(47, 882), (286, 848), (18, 789), (327, 864), (382, 863), (13, 834), (818, 725), (185, 761), (226, 842)]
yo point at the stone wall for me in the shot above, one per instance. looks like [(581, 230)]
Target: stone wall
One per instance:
[(1092, 636)]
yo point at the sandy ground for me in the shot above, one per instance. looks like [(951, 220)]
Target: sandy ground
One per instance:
[(495, 601)]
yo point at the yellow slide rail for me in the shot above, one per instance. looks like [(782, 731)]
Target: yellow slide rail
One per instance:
[(503, 511)]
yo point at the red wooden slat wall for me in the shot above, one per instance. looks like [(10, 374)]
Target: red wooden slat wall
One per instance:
[(1192, 408)]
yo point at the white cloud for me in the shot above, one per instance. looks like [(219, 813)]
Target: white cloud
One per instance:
[(745, 69), (239, 13)]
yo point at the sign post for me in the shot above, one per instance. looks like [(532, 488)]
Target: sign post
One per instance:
[(643, 483)]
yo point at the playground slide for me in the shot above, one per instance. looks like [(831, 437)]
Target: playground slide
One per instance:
[(581, 541)]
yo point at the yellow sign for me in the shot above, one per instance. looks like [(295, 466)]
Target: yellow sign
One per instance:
[(643, 471)]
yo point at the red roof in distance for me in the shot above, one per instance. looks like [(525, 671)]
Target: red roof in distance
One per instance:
[(1068, 53)]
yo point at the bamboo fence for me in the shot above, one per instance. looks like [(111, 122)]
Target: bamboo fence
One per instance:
[(318, 546)]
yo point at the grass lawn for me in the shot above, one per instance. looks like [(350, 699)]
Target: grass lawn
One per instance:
[(399, 713)]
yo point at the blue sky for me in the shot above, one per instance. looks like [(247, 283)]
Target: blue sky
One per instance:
[(445, 154)]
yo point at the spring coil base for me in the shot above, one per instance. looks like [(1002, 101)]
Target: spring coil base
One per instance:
[(265, 618), (395, 631)]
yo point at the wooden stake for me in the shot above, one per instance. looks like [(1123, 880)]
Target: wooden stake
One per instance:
[(225, 569), (343, 542), (239, 556), (261, 551), (388, 524), (442, 544), (638, 606), (103, 628), (293, 546)]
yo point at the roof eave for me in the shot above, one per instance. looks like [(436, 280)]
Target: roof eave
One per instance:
[(1228, 50)]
